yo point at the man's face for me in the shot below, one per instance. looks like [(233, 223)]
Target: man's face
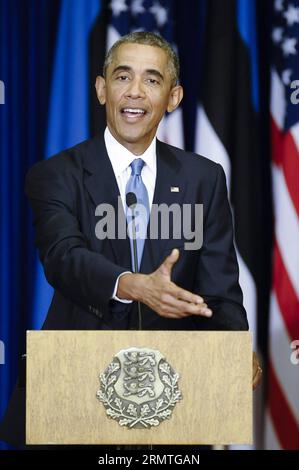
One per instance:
[(137, 92)]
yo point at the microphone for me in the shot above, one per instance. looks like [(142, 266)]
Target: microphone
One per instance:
[(131, 201)]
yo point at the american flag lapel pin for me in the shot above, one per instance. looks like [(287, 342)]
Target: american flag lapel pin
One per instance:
[(174, 189)]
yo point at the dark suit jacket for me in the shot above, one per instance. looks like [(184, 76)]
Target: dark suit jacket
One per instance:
[(64, 192)]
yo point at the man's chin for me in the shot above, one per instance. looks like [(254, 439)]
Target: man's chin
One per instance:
[(132, 136)]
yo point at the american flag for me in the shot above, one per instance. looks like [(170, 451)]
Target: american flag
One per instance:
[(148, 15), (282, 428)]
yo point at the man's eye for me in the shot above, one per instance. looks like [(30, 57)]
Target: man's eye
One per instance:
[(122, 78), (153, 81)]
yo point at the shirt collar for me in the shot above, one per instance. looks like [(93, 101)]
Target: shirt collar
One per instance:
[(121, 158)]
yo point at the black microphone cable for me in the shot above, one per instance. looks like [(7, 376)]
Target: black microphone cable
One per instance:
[(131, 201)]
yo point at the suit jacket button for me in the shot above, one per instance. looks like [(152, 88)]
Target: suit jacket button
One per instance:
[(99, 314)]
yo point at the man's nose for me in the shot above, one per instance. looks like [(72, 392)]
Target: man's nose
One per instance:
[(136, 88)]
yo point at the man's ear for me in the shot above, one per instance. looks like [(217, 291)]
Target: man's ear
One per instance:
[(175, 97), (100, 86)]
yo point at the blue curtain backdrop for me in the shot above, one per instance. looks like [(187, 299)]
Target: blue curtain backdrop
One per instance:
[(37, 119), (27, 35), (44, 62)]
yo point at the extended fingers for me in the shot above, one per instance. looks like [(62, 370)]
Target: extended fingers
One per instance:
[(172, 303)]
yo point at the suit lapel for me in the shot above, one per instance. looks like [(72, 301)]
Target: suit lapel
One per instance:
[(169, 174), (101, 184)]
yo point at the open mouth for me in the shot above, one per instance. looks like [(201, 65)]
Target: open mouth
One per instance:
[(133, 112)]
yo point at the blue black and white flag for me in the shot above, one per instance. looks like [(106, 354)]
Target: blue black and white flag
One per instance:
[(68, 119)]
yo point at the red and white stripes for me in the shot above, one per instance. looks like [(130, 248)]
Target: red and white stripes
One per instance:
[(282, 421)]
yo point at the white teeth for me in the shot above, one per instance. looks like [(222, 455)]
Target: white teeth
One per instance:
[(133, 110)]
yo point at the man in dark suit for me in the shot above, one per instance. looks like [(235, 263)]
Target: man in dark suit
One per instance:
[(91, 289), (95, 286)]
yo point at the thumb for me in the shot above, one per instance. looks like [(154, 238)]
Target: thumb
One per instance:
[(169, 262)]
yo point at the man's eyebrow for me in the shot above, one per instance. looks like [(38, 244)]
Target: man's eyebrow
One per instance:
[(156, 73), (122, 68)]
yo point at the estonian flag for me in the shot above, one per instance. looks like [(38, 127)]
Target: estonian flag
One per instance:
[(68, 121)]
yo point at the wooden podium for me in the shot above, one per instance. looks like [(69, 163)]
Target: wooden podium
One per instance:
[(63, 369)]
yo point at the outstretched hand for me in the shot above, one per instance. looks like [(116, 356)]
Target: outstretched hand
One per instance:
[(161, 294)]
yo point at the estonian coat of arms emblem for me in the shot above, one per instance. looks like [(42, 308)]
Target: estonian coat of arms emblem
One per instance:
[(139, 388)]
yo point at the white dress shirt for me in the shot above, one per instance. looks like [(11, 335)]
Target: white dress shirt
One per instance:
[(121, 159)]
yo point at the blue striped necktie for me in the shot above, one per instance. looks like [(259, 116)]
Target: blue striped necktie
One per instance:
[(137, 186)]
